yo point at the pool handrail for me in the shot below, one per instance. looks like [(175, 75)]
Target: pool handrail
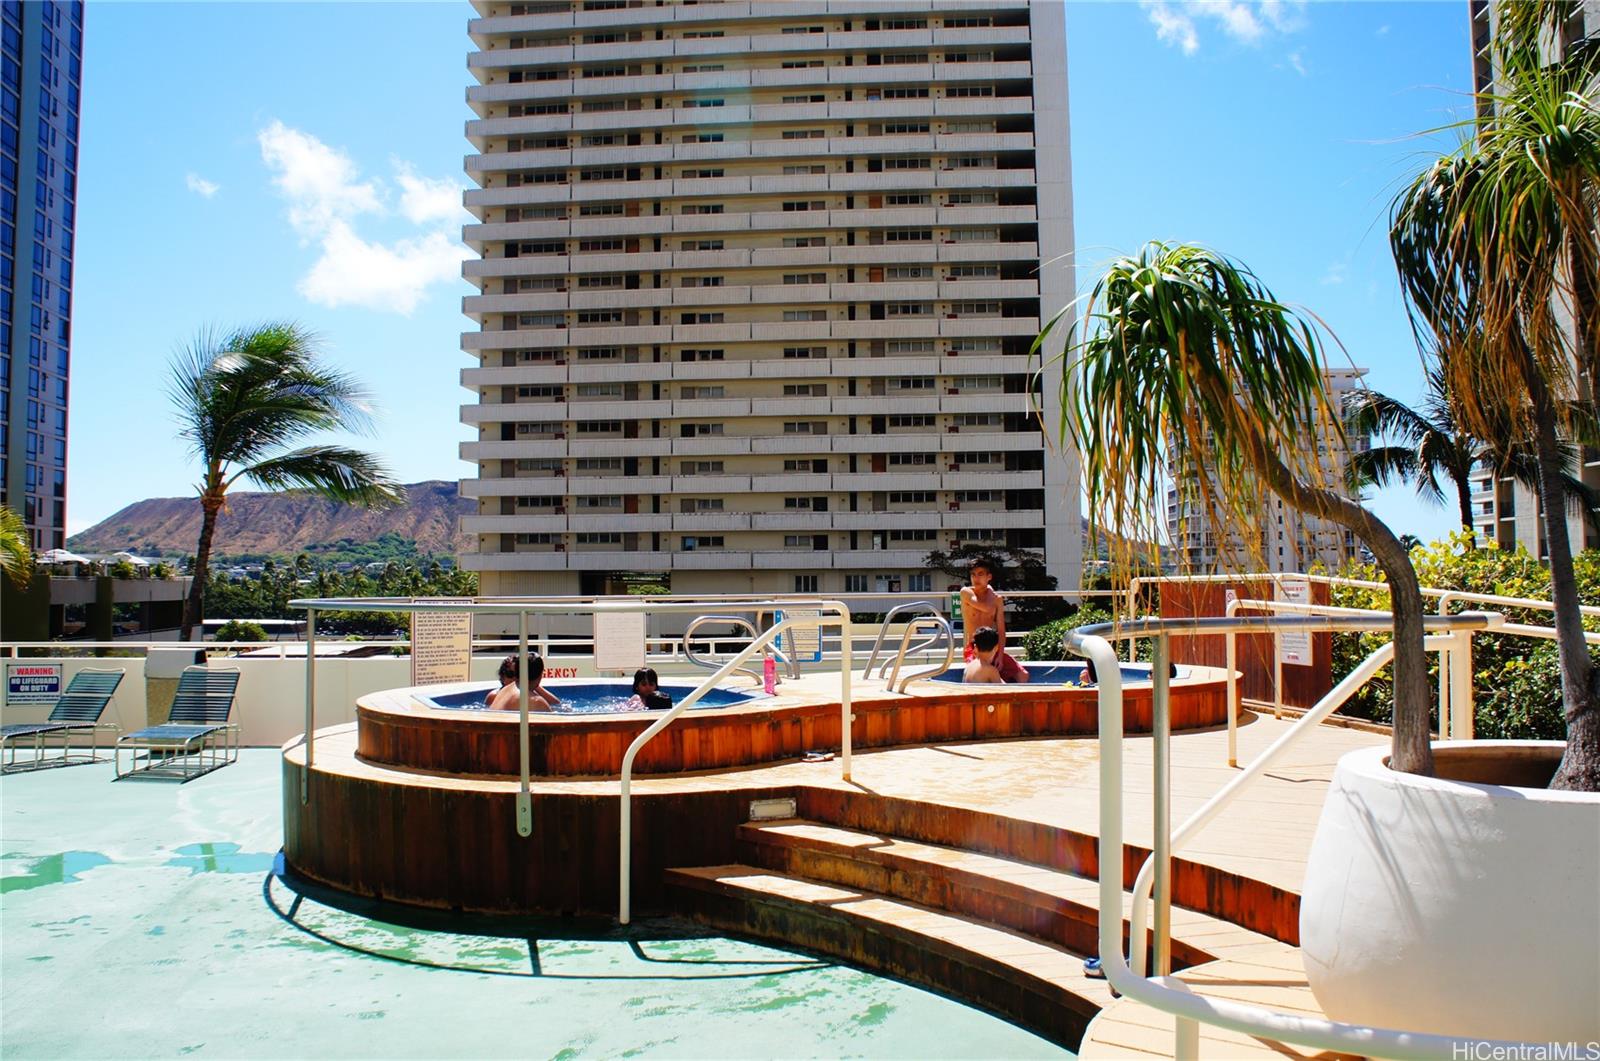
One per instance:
[(940, 624), (883, 631), (1161, 991), (731, 620)]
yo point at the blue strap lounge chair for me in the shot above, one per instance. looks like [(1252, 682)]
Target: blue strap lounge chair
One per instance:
[(198, 736), (76, 714)]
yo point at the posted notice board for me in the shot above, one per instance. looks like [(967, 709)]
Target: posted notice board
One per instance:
[(441, 644), (1294, 646), (33, 683), (618, 641)]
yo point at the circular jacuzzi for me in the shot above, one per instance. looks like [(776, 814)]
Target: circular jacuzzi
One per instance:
[(1057, 673), (584, 697)]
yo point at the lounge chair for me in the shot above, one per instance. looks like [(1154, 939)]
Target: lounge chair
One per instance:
[(198, 736), (75, 714)]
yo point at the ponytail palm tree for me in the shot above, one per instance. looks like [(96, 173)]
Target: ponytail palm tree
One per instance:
[(242, 400), (1498, 251), (1185, 361)]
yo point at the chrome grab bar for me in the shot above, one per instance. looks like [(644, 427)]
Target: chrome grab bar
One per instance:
[(940, 625), (732, 620), (883, 629)]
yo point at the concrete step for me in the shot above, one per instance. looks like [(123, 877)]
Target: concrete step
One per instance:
[(1053, 905), (1026, 980)]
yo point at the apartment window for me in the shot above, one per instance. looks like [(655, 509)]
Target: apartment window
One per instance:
[(700, 281), (535, 213), (805, 390), (805, 241), (538, 502), (804, 204), (600, 140), (969, 91), (911, 420), (978, 420), (805, 427), (526, 249), (806, 583), (697, 174), (600, 353), (908, 163), (702, 318), (700, 468), (800, 64), (904, 58), (548, 177), (803, 29), (975, 346), (902, 460), (805, 278), (600, 316), (701, 34), (969, 22), (535, 539), (855, 583), (605, 71), (599, 464), (602, 105), (539, 464), (797, 171), (698, 430), (540, 283), (979, 534), (908, 235), (910, 346), (700, 355), (702, 208), (806, 504), (699, 504), (703, 138), (913, 535), (970, 127), (599, 390), (798, 541), (908, 199), (532, 427), (703, 68), (903, 23), (716, 390), (600, 538), (975, 235), (905, 92), (599, 427), (969, 57), (701, 245), (608, 174), (538, 108), (920, 383), (704, 102), (601, 501), (979, 496), (912, 497), (814, 98), (589, 245), (922, 583), (901, 128), (807, 465), (601, 38), (974, 272), (600, 210), (601, 280), (793, 352), (975, 309), (805, 314), (703, 541), (971, 162), (541, 320), (538, 392), (978, 383), (910, 272), (909, 309)]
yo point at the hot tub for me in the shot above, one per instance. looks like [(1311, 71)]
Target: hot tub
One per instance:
[(583, 698), (1056, 672)]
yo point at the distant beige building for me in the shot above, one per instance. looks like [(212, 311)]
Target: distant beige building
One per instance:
[(759, 282), (1286, 540)]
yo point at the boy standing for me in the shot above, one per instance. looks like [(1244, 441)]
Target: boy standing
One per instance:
[(982, 607)]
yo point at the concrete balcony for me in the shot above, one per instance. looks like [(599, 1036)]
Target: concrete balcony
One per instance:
[(996, 480), (710, 559), (793, 406), (710, 521), (504, 58), (790, 483), (514, 412), (592, 446), (619, 335), (475, 306), (791, 368), (770, 256), (898, 402), (581, 559), (473, 452), (635, 522), (710, 484), (505, 92), (928, 520), (807, 332), (1002, 520), (907, 480), (988, 326), (711, 370), (863, 367), (528, 561), (607, 485), (900, 328), (706, 333), (699, 296), (814, 445), (475, 378), (965, 289), (545, 524), (711, 446), (709, 408), (610, 371), (987, 215), (514, 487), (800, 520)]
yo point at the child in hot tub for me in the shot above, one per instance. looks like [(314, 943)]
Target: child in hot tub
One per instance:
[(509, 698), (647, 694)]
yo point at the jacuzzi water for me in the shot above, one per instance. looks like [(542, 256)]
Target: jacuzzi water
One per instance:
[(591, 698), (1062, 673)]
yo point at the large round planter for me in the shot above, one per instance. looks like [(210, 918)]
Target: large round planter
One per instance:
[(1464, 904)]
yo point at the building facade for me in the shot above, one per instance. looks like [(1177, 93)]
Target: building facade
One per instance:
[(39, 97), (759, 283), (1287, 540)]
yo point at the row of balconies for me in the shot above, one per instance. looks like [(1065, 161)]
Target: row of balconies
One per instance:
[(652, 85), (734, 257), (738, 184), (786, 295), (966, 440), (741, 150), (649, 15), (599, 559), (726, 408), (858, 217), (776, 483), (812, 368), (752, 331), (662, 522), (577, 122)]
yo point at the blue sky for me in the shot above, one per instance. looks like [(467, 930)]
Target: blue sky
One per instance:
[(251, 161)]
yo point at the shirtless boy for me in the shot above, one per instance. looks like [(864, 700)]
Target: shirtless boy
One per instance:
[(981, 667), (982, 607)]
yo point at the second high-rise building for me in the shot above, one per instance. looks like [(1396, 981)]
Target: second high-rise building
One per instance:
[(759, 282)]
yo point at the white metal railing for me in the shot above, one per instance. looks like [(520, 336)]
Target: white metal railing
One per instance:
[(1161, 991)]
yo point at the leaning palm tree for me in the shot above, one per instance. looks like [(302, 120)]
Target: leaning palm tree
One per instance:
[(1498, 251), (1185, 359), (16, 556), (242, 399)]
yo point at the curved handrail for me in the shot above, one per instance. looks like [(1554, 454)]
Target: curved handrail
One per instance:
[(1187, 1007), (732, 620), (940, 624), (883, 630)]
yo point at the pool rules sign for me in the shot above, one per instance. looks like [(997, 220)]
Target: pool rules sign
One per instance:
[(1294, 646), (32, 683), (441, 643)]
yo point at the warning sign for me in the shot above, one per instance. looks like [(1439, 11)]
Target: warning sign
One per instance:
[(33, 683), (1294, 646), (441, 644)]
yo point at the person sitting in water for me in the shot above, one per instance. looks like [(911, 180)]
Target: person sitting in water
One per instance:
[(509, 698), (647, 694), (983, 608), (1089, 676), (983, 667)]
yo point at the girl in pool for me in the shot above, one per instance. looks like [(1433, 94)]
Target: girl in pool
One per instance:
[(647, 694), (509, 698)]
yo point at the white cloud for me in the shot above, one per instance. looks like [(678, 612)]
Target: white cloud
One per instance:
[(1337, 273), (1247, 22), (200, 186), (1382, 31), (326, 195), (1297, 59), (424, 199)]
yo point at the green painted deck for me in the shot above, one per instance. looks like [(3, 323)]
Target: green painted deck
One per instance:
[(141, 920)]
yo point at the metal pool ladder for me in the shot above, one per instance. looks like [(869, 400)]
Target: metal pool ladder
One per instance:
[(748, 625), (929, 619)]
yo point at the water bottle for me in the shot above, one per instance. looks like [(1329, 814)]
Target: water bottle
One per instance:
[(769, 674)]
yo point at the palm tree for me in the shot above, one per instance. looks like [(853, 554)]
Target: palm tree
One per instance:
[(1424, 444), (1184, 355), (16, 556), (243, 398), (1496, 245)]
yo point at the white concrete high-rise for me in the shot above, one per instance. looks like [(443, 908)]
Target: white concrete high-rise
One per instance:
[(759, 282)]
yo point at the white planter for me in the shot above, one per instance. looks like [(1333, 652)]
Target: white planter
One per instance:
[(1454, 906)]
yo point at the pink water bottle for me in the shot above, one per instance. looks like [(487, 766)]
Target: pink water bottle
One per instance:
[(769, 674)]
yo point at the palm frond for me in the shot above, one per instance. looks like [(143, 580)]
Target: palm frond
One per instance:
[(16, 555), (336, 472)]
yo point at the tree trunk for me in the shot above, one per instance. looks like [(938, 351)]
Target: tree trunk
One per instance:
[(194, 607), (1464, 501), (1580, 766)]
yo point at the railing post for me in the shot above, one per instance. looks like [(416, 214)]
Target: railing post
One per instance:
[(1161, 732), (846, 714), (524, 797), (1447, 707), (311, 701), (1462, 722), (1233, 689), (1186, 1039), (1277, 675)]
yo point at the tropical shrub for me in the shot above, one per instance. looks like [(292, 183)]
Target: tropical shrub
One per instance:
[(236, 630)]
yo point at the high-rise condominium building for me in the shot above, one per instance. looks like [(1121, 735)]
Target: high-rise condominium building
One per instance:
[(1285, 539), (39, 86), (759, 281)]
